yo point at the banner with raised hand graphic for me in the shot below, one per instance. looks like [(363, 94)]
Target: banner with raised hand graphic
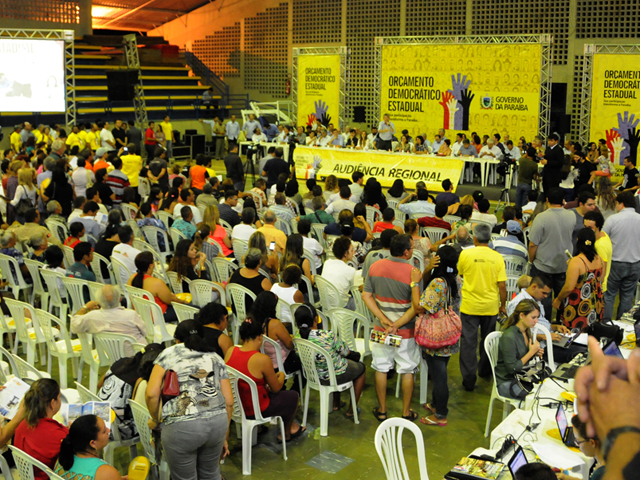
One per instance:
[(615, 104), (318, 89), (486, 88)]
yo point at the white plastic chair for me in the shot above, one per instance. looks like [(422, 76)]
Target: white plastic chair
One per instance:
[(202, 292), (247, 426), (276, 348), (165, 217), (151, 235), (435, 234), (64, 349), (184, 312), (317, 231), (138, 292), (224, 268), (38, 288), (9, 367), (388, 442), (141, 418), (283, 226), (128, 212), (137, 233), (240, 248), (176, 284), (236, 297), (57, 229), (25, 464), (491, 344), (373, 215), (151, 313), (542, 330), (90, 357), (514, 265), (512, 287), (75, 288), (343, 321), (96, 265), (452, 219), (308, 351), (330, 297), (27, 371), (112, 345), (418, 260), (50, 278), (68, 255), (176, 236), (120, 271), (12, 273), (29, 337)]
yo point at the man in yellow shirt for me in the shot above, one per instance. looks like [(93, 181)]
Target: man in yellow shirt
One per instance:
[(167, 129), (484, 295), (39, 133), (92, 138), (131, 165), (82, 134), (74, 139), (16, 139), (604, 247), (271, 233)]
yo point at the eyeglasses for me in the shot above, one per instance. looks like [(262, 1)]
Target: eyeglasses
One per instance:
[(580, 442)]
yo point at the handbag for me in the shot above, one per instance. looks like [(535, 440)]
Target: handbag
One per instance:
[(24, 204), (170, 386), (440, 329)]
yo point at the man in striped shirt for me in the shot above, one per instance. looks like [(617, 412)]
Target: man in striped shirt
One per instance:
[(387, 293), (117, 180)]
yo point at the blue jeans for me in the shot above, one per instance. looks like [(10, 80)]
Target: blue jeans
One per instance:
[(169, 146), (623, 277), (440, 393), (522, 192)]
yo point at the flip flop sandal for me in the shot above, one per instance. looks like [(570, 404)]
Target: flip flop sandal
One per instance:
[(300, 431), (380, 416), (432, 423), (428, 406), (412, 416)]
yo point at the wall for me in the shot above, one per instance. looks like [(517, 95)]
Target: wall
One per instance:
[(47, 15), (240, 27)]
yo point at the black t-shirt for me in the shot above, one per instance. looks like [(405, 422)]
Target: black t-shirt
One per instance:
[(233, 163), (630, 178), (105, 192), (119, 134), (156, 166), (274, 168), (211, 336), (228, 214)]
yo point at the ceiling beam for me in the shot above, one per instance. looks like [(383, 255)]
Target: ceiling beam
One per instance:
[(146, 9), (103, 21), (126, 14)]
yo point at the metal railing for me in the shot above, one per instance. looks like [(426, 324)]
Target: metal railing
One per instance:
[(208, 77)]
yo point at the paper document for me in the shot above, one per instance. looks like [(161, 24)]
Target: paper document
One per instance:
[(11, 396), (582, 339), (550, 454), (76, 410)]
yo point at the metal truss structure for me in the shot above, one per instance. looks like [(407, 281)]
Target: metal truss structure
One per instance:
[(546, 60), (133, 63), (67, 36), (587, 78), (344, 73)]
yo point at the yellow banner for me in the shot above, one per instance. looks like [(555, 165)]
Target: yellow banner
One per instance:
[(386, 167), (462, 88), (615, 102), (319, 89)]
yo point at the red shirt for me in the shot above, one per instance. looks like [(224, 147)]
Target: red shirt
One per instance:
[(381, 227), (71, 241), (42, 442), (197, 174), (434, 222), (100, 164), (240, 361), (149, 137)]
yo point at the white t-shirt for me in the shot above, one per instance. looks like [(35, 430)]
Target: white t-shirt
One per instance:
[(487, 217), (127, 255), (315, 248), (284, 315), (336, 196), (80, 178), (340, 275), (197, 216), (242, 232), (104, 136)]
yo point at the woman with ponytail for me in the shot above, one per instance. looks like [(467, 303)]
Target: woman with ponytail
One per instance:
[(80, 451), (144, 279), (443, 287), (195, 423), (273, 401), (581, 301), (346, 363), (39, 434)]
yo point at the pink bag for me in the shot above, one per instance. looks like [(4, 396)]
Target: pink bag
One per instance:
[(438, 330)]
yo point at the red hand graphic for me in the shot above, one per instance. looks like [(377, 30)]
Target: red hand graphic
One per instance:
[(446, 96)]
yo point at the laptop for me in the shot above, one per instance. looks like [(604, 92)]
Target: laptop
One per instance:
[(517, 460), (566, 431), (566, 341), (612, 349)]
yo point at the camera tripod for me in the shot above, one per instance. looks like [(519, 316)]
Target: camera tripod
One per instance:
[(504, 200)]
